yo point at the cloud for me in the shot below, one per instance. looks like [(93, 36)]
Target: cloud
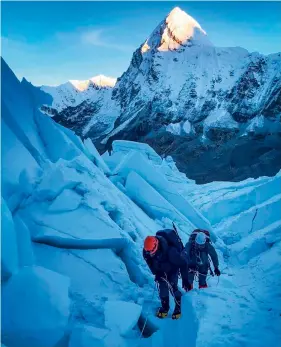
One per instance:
[(94, 37)]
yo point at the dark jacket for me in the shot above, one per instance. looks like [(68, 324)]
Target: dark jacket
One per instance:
[(167, 259), (194, 254)]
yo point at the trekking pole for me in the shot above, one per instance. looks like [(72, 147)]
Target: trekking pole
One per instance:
[(141, 334)]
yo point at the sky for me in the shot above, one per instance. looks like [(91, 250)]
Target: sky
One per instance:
[(50, 43)]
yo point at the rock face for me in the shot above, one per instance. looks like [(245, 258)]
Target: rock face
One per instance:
[(216, 111)]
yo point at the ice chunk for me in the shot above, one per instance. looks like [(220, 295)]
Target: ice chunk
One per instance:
[(68, 200), (121, 315), (143, 148), (256, 243), (86, 335), (137, 162), (249, 221), (155, 205), (12, 148), (57, 143), (73, 137), (224, 203), (19, 112), (113, 160), (25, 252), (9, 250), (95, 156), (55, 180), (35, 308)]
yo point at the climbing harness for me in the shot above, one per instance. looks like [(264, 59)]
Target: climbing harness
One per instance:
[(197, 273)]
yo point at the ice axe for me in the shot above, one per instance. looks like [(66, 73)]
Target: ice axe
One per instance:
[(176, 231)]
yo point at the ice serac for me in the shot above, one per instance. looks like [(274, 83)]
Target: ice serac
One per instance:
[(57, 196), (76, 222), (136, 162)]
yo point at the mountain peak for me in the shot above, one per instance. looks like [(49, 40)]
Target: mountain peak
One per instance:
[(176, 30), (104, 81), (100, 81), (181, 24)]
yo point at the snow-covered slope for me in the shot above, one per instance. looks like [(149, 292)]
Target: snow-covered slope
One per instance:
[(74, 92), (194, 101), (73, 225)]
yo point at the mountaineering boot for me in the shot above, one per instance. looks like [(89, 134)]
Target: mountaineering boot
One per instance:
[(177, 311), (164, 309), (202, 286)]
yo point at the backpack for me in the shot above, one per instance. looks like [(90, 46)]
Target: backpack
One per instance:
[(194, 233), (172, 238)]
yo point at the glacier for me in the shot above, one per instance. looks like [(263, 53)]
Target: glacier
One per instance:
[(73, 225)]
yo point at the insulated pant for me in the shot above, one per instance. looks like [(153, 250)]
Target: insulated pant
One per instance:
[(164, 287)]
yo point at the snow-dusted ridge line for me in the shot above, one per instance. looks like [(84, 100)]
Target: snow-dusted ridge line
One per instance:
[(100, 81)]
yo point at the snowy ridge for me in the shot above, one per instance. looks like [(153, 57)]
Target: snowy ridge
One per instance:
[(73, 225), (74, 92), (99, 81)]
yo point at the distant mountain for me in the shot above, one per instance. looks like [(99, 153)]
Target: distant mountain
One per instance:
[(216, 111), (74, 92)]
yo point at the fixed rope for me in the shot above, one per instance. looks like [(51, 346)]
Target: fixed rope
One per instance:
[(171, 289), (197, 273), (145, 322)]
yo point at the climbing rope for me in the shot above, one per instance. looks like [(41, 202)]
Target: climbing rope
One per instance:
[(197, 273), (170, 289), (145, 322)]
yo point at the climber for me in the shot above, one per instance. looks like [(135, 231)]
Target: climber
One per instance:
[(163, 256), (197, 252)]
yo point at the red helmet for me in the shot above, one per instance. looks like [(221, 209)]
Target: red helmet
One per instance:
[(151, 244)]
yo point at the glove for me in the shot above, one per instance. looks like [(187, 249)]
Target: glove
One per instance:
[(217, 271)]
